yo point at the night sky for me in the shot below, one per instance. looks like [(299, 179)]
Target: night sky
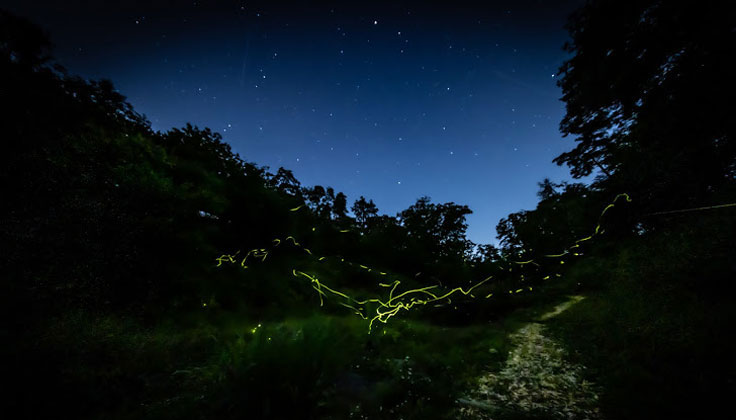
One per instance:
[(455, 100)]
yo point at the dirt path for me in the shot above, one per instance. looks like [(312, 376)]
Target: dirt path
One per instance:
[(536, 381)]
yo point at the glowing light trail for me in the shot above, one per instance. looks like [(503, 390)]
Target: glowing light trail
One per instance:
[(408, 299)]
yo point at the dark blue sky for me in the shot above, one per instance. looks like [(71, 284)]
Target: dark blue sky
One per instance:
[(455, 100)]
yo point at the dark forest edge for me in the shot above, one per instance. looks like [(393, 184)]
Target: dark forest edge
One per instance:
[(113, 304)]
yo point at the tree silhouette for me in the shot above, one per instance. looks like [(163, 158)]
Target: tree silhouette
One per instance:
[(438, 228), (285, 181), (364, 210), (340, 207), (649, 96)]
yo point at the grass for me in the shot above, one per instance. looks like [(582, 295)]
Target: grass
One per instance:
[(656, 340), (318, 366), (320, 362), (538, 380)]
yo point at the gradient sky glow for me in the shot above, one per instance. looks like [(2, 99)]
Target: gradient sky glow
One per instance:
[(389, 100)]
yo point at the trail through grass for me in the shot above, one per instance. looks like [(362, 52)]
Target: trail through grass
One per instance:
[(536, 381)]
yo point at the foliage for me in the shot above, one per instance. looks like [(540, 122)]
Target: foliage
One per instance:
[(654, 329), (112, 306), (648, 95)]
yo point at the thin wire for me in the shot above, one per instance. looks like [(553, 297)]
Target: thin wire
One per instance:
[(719, 206)]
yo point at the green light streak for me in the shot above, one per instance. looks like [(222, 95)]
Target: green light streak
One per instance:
[(386, 308)]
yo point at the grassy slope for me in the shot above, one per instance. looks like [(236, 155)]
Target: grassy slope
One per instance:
[(656, 328), (315, 366)]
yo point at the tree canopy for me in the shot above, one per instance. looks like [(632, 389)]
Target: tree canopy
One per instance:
[(648, 97)]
